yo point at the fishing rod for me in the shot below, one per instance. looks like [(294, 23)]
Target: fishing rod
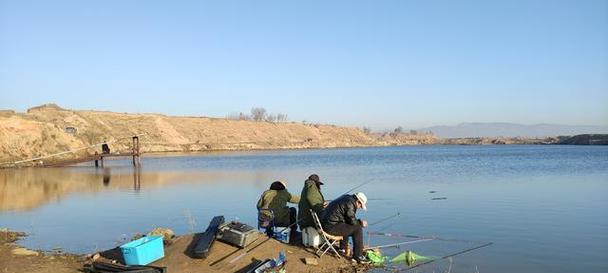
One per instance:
[(398, 244), (298, 221), (356, 187), (445, 257), (378, 222), (230, 254), (384, 219), (389, 234), (359, 186)]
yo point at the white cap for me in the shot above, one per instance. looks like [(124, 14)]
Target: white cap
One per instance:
[(362, 198)]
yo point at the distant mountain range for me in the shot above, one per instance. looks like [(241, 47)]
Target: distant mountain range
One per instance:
[(480, 129)]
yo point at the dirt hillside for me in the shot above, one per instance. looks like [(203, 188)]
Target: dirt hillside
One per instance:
[(50, 129)]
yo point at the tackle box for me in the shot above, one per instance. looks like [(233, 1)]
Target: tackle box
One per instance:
[(238, 234)]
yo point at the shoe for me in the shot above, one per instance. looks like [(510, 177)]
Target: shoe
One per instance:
[(362, 260), (345, 253)]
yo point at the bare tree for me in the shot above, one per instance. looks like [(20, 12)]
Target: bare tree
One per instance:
[(271, 118), (243, 116), (281, 117), (258, 113)]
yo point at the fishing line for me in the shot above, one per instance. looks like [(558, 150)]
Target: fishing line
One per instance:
[(359, 186), (384, 219), (398, 244), (378, 222), (445, 257), (390, 234)]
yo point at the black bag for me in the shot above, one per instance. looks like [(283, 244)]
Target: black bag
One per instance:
[(205, 241)]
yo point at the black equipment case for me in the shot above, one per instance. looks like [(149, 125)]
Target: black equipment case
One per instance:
[(203, 246)]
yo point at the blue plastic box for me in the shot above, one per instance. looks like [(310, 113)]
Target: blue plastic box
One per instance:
[(282, 234), (143, 251)]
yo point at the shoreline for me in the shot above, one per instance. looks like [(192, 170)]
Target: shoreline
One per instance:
[(17, 259), (175, 153), (169, 153), (51, 133)]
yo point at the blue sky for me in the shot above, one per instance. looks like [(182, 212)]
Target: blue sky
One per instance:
[(361, 63)]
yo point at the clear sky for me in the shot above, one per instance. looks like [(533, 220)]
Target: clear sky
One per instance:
[(361, 63)]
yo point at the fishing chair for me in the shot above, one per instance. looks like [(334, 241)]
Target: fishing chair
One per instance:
[(328, 240), (266, 221)]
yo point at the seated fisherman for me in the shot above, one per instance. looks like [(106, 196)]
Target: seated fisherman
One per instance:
[(311, 198), (339, 219), (276, 199)]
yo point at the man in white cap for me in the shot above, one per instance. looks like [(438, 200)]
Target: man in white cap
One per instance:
[(339, 219)]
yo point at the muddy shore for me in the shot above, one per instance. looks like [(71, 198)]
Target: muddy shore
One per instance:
[(16, 259)]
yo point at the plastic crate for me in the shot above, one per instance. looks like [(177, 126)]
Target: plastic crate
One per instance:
[(282, 234), (143, 251)]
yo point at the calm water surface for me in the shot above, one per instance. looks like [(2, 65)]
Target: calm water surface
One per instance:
[(544, 207)]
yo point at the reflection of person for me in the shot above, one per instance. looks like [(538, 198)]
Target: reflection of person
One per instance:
[(106, 177), (339, 219), (311, 198), (276, 199)]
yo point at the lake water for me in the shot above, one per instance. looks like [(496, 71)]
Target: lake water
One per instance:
[(544, 207)]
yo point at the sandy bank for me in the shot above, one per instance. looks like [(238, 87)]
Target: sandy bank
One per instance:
[(50, 129), (15, 259)]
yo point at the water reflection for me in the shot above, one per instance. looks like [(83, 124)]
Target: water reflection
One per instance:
[(106, 176), (28, 188)]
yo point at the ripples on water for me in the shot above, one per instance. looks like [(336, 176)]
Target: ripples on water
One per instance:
[(545, 207)]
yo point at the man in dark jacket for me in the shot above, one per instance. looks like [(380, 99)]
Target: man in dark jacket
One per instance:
[(339, 219), (311, 198)]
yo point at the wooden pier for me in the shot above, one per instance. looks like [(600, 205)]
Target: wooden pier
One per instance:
[(98, 158)]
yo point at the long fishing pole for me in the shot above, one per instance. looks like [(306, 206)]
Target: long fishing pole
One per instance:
[(384, 219), (378, 222), (445, 257), (398, 244), (359, 186), (268, 239), (389, 234), (229, 254), (356, 187)]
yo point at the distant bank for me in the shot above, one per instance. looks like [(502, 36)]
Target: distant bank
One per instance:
[(50, 129)]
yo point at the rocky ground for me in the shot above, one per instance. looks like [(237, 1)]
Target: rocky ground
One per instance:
[(15, 259)]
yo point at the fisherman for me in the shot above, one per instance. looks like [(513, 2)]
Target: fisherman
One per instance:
[(339, 219), (105, 149), (273, 205), (312, 198)]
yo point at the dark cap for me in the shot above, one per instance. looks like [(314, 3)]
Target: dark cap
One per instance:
[(315, 178)]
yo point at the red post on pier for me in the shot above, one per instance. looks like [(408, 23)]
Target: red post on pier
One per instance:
[(136, 161)]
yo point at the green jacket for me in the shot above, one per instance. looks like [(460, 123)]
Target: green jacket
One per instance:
[(277, 202), (311, 198)]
